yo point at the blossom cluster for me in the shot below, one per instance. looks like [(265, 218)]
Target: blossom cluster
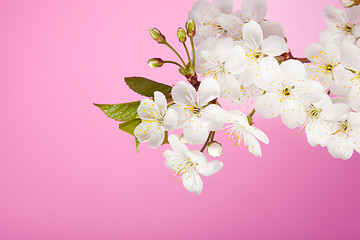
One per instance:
[(240, 56)]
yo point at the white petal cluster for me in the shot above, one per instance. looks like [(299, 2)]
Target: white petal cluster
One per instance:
[(196, 114), (240, 56), (286, 92), (240, 130), (217, 19), (156, 119), (189, 164), (343, 26)]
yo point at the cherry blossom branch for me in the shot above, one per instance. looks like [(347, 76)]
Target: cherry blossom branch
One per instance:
[(288, 55)]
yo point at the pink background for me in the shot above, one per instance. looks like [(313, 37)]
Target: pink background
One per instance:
[(67, 172)]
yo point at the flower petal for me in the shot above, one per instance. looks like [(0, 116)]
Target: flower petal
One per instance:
[(293, 113), (292, 71), (340, 146), (253, 35), (274, 46), (177, 146), (353, 13), (225, 6), (272, 28), (170, 120), (255, 9), (350, 56), (184, 93), (195, 131), (309, 91), (334, 16), (147, 109), (192, 182), (354, 97), (318, 132), (210, 168), (144, 130), (172, 159), (160, 102), (252, 144), (213, 116), (268, 105), (259, 134), (209, 89), (157, 137)]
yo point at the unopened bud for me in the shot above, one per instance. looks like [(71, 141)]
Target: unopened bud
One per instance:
[(350, 3), (181, 35), (157, 35), (214, 149), (190, 27), (155, 62)]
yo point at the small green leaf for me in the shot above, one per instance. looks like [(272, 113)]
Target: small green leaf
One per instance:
[(129, 126), (147, 87), (120, 112)]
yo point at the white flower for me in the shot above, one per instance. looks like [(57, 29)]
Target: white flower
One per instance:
[(196, 114), (240, 130), (246, 88), (257, 48), (342, 27), (156, 119), (286, 92), (320, 116), (327, 68), (345, 137), (222, 60), (350, 87), (206, 16), (255, 10), (189, 164)]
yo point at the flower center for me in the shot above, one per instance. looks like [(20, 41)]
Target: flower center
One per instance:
[(313, 111), (257, 55), (344, 126), (348, 28), (195, 109), (187, 166), (287, 91)]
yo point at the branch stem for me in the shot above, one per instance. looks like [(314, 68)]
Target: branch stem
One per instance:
[(207, 141), (193, 50), (167, 44), (172, 62), (187, 52)]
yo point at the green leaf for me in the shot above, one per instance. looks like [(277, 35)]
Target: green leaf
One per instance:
[(129, 126), (147, 87), (120, 112)]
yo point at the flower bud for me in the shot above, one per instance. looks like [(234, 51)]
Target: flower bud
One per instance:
[(157, 35), (155, 62), (181, 35), (350, 3), (214, 149), (190, 27)]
